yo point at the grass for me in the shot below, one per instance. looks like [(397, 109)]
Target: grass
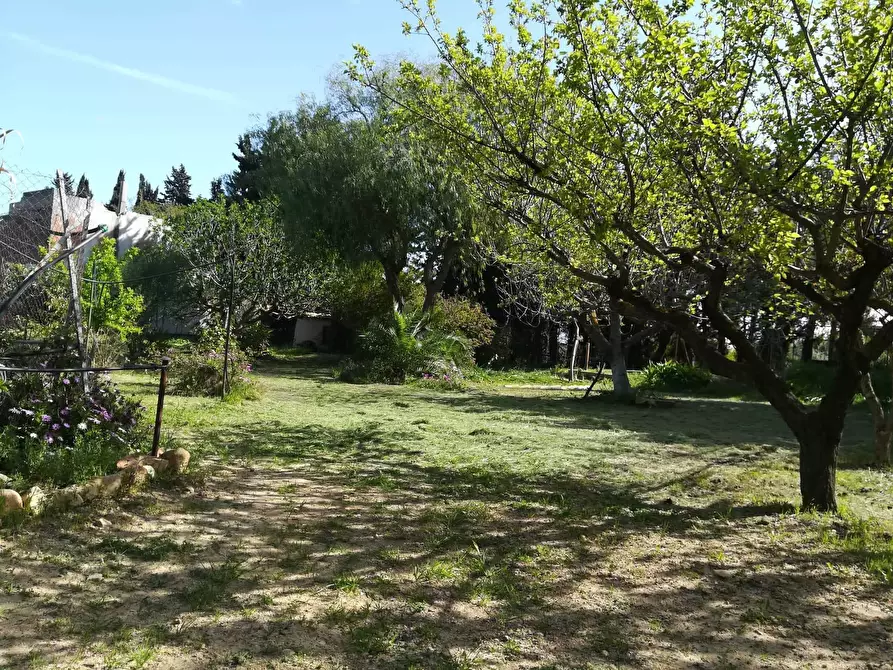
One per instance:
[(336, 525)]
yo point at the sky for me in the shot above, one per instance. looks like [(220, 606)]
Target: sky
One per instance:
[(95, 86)]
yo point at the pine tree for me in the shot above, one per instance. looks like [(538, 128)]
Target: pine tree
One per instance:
[(83, 190), (216, 188), (69, 182), (241, 185), (177, 187), (116, 193), (141, 190)]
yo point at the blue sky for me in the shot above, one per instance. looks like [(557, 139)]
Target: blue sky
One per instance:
[(95, 86)]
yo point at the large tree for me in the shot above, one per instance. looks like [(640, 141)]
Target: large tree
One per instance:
[(178, 187), (242, 184), (83, 188), (352, 182), (709, 149), (68, 181)]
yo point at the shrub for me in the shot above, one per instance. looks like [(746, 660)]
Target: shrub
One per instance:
[(254, 339), (53, 432), (392, 349), (463, 317), (674, 376), (200, 373)]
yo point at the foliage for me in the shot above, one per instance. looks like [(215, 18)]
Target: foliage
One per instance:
[(111, 306), (814, 379), (460, 315), (242, 245), (254, 339), (634, 144), (674, 376), (243, 183), (394, 348), (83, 189), (352, 184), (53, 432), (200, 373), (178, 187), (68, 180)]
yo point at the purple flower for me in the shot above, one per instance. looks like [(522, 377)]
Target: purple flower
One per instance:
[(248, 367), (105, 415), (66, 381), (49, 439), (46, 418), (64, 411), (56, 426), (67, 425), (77, 380)]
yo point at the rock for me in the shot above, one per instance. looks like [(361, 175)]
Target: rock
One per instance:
[(138, 475), (149, 470), (178, 459), (67, 498), (34, 500), (158, 464), (10, 501), (103, 487), (95, 577), (4, 480), (102, 522), (129, 461)]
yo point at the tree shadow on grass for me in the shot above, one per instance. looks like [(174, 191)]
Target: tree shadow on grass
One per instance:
[(356, 552)]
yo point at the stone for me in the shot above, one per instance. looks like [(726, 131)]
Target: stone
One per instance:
[(103, 487), (68, 498), (10, 501), (129, 461), (4, 480), (34, 500), (95, 577), (102, 522), (158, 464), (178, 459), (149, 470)]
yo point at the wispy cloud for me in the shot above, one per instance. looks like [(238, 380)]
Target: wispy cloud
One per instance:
[(133, 73)]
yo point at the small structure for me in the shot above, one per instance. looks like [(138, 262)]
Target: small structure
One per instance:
[(312, 329)]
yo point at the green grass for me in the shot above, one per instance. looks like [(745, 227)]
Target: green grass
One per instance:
[(338, 525)]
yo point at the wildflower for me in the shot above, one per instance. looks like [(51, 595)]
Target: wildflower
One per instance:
[(64, 411), (93, 419), (56, 426), (27, 412), (15, 410), (66, 424), (248, 367), (105, 415), (66, 381), (82, 426), (34, 435), (46, 418), (77, 380), (49, 439)]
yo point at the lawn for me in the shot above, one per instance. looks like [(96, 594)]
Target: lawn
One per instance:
[(336, 526)]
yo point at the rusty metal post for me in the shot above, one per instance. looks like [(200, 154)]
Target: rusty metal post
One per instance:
[(159, 410)]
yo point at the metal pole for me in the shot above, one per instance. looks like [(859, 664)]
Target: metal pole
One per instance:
[(159, 410), (229, 325)]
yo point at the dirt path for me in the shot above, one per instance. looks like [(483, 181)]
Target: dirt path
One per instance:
[(290, 566)]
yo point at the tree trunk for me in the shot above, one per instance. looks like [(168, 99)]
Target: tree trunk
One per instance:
[(392, 279), (883, 422), (574, 350), (832, 342), (623, 390), (808, 340), (818, 466)]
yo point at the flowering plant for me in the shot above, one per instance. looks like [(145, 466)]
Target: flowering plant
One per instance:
[(52, 430)]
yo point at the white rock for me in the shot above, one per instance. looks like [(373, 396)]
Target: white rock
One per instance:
[(4, 480), (34, 500), (95, 577)]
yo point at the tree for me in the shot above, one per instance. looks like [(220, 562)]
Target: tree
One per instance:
[(349, 181), (242, 248), (83, 189), (117, 193), (242, 184), (217, 188), (177, 187), (69, 182), (707, 150)]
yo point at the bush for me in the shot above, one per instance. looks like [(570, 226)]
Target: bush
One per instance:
[(52, 432), (463, 317), (200, 373), (392, 349), (254, 339), (674, 376)]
